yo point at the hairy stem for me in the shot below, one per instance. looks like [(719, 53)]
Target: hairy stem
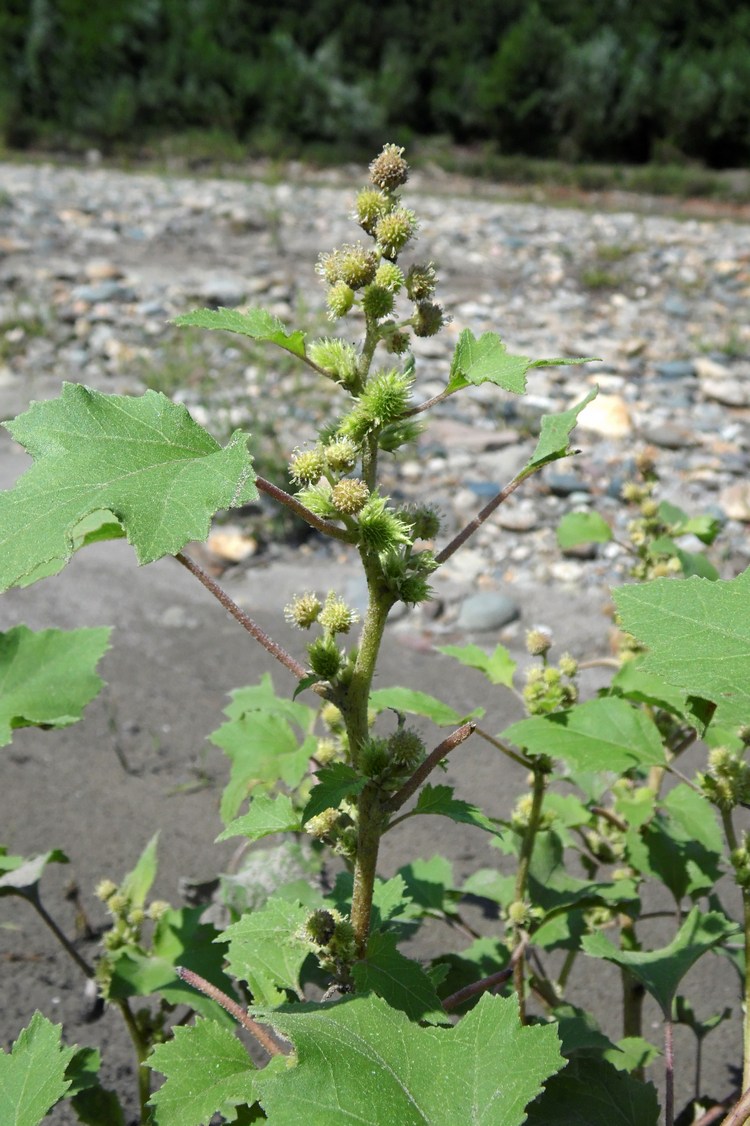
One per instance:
[(460, 539), (302, 511), (740, 1112), (522, 875), (370, 828), (485, 983), (256, 1030), (271, 646), (668, 1071), (459, 736)]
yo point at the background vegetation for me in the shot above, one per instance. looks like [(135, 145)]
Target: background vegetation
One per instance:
[(610, 80)]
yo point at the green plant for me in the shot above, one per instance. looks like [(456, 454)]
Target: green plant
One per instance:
[(351, 1027)]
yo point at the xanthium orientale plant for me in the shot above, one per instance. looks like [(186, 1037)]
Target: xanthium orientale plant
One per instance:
[(347, 1026)]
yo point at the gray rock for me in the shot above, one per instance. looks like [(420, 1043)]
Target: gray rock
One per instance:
[(676, 369), (488, 610)]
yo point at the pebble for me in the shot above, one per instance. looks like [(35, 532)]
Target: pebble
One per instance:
[(101, 260), (488, 610)]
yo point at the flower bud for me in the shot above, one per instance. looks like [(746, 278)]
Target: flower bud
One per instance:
[(394, 231), (340, 299), (337, 357), (380, 528), (336, 616), (321, 926), (568, 665), (370, 208), (341, 455), (105, 889), (421, 282), (374, 758), (428, 318), (386, 396), (389, 170), (325, 657), (406, 747), (397, 343), (307, 466), (389, 277), (356, 265), (377, 302), (323, 824), (350, 495), (157, 909), (538, 642), (303, 610)]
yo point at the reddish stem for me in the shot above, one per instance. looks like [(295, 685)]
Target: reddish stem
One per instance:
[(231, 1007), (302, 511), (423, 770), (244, 619), (740, 1112), (479, 519)]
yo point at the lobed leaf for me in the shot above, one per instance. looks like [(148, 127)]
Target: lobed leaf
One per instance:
[(498, 666), (398, 980), (142, 459), (334, 783), (439, 800), (418, 703), (553, 440), (661, 971), (256, 323), (359, 1060), (47, 678), (591, 1092), (32, 1075), (698, 636), (265, 949), (486, 360), (266, 816), (603, 734), (207, 1071), (20, 875)]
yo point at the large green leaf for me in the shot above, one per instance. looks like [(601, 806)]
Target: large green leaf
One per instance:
[(398, 980), (498, 666), (267, 951), (256, 323), (604, 734), (698, 636), (264, 751), (661, 971), (47, 678), (359, 1060), (137, 884), (207, 1070), (486, 360), (591, 1092), (555, 433), (143, 459), (32, 1075)]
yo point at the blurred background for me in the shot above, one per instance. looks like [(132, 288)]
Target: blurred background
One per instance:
[(631, 81)]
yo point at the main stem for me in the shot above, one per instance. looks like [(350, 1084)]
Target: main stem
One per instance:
[(522, 875), (733, 843)]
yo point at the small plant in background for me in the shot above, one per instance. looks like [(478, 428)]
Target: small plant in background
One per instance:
[(347, 1026)]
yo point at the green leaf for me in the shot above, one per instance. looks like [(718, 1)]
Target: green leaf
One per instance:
[(359, 1060), (32, 1076), (498, 667), (591, 1092), (430, 884), (256, 323), (631, 1052), (605, 734), (47, 678), (696, 816), (261, 697), (555, 432), (579, 1032), (94, 528), (483, 957), (180, 939), (485, 360), (137, 884), (265, 949), (264, 751), (691, 562), (398, 980), (582, 527), (334, 783), (265, 817), (440, 800), (661, 971), (698, 636), (92, 1103), (632, 682), (207, 1071), (704, 528), (20, 874), (418, 703), (144, 459)]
